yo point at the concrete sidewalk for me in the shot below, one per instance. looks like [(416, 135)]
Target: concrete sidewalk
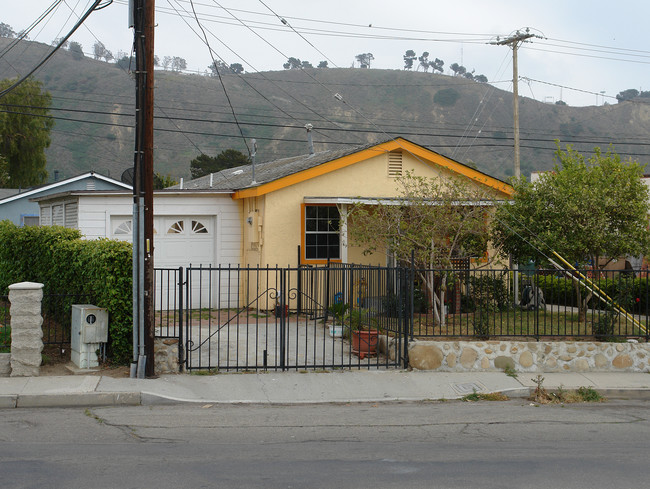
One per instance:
[(300, 388)]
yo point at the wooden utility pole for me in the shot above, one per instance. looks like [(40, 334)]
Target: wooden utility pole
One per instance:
[(143, 271), (514, 41)]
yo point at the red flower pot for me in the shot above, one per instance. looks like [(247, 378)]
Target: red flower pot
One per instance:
[(364, 342)]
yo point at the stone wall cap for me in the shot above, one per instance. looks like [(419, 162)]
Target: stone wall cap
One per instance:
[(25, 286)]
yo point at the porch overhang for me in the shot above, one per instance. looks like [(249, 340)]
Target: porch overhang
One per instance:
[(390, 201)]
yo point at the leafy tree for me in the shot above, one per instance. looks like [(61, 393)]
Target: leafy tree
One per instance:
[(99, 50), (163, 181), (585, 210), (178, 64), (560, 102), (628, 94), (292, 64), (424, 61), (458, 70), (76, 50), (364, 59), (409, 57), (166, 62), (437, 65), (427, 223), (25, 132), (218, 66), (446, 97), (56, 42), (108, 56), (306, 64), (481, 78), (236, 68), (469, 75), (322, 64), (4, 172), (125, 62), (204, 165), (156, 60), (6, 30)]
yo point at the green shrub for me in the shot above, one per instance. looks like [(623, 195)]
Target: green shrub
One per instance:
[(446, 97), (65, 264)]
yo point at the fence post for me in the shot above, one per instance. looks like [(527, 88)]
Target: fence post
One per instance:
[(26, 332), (181, 345)]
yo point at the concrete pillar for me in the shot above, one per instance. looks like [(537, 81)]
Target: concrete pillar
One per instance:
[(26, 332)]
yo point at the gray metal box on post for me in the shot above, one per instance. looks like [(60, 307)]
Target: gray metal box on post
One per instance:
[(89, 329)]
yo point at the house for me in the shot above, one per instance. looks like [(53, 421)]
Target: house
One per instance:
[(20, 208), (276, 212)]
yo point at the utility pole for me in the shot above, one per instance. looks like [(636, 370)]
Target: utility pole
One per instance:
[(514, 41), (143, 21)]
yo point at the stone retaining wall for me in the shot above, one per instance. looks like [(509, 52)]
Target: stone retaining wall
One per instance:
[(543, 356)]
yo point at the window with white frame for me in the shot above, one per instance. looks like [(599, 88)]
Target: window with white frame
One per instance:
[(322, 232)]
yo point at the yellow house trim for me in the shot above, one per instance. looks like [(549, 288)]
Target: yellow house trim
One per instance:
[(427, 156)]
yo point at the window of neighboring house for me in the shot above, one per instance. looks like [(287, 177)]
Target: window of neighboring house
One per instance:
[(29, 220), (322, 232)]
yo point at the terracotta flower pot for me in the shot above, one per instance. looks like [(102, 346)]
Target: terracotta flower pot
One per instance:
[(364, 342)]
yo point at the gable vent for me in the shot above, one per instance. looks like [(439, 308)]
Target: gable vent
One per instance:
[(395, 164), (90, 185)]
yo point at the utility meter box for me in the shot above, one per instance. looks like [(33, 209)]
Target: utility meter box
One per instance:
[(89, 328)]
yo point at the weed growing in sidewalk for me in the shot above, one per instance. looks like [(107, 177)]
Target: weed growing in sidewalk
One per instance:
[(490, 396), (563, 396)]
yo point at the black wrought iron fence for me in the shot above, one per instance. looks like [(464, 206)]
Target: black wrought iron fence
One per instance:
[(602, 305)]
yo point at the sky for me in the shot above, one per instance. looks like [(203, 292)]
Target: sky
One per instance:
[(586, 52)]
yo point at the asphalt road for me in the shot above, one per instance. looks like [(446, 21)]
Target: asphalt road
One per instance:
[(410, 445)]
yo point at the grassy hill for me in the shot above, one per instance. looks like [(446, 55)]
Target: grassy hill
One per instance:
[(468, 121)]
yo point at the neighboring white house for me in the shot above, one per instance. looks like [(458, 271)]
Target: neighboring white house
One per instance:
[(18, 206), (198, 228)]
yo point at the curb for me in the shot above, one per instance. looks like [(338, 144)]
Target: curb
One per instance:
[(90, 399)]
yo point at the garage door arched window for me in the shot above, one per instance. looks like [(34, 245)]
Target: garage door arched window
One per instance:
[(124, 227), (322, 232), (199, 228), (177, 228)]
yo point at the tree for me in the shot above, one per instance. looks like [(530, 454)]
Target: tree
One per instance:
[(364, 59), (99, 50), (163, 181), (427, 222), (204, 165), (178, 64), (481, 78), (125, 62), (108, 56), (4, 172), (458, 70), (628, 94), (156, 60), (424, 61), (306, 64), (76, 50), (322, 64), (166, 63), (65, 44), (437, 65), (6, 30), (236, 68), (409, 57), (292, 64), (25, 132), (584, 210)]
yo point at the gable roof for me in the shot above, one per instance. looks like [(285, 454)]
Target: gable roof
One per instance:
[(273, 175), (42, 188)]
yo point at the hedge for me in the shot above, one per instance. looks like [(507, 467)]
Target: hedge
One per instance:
[(629, 292), (66, 264)]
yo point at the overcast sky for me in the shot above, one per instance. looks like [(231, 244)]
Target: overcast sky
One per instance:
[(586, 47)]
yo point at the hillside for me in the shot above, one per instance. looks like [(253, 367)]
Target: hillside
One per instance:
[(93, 107)]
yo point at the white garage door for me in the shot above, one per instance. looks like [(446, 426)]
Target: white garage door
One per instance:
[(178, 241), (181, 241)]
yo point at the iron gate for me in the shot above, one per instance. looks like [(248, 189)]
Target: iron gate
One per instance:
[(283, 318)]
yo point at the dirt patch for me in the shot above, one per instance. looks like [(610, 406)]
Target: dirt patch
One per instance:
[(56, 362)]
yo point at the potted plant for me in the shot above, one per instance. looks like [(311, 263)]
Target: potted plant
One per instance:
[(363, 335), (339, 311)]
